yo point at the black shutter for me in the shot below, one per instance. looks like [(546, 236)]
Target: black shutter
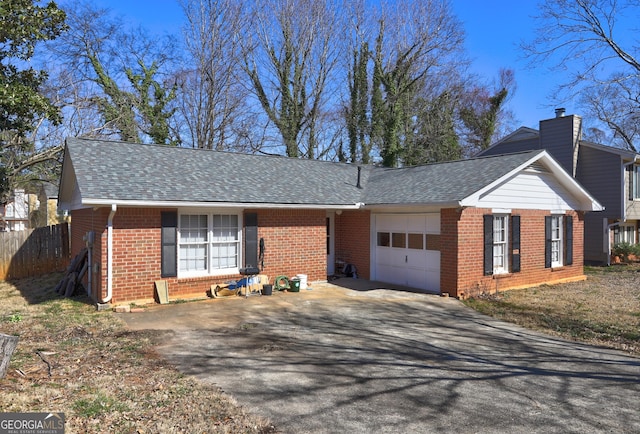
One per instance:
[(488, 244), (515, 243), (547, 241), (568, 240), (251, 240), (169, 244)]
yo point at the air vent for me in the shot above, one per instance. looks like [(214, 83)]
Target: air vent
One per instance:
[(537, 167)]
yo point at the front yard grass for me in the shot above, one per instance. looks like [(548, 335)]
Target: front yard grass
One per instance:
[(604, 310), (105, 378), (72, 359)]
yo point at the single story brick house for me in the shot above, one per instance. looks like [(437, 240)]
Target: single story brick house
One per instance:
[(194, 217)]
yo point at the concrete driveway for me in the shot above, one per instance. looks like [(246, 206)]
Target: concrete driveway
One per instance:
[(369, 360)]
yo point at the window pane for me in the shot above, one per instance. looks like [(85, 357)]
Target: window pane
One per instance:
[(500, 263), (555, 251), (556, 240), (224, 253), (630, 234), (193, 257), (383, 239), (193, 228), (499, 232), (498, 256), (398, 240), (416, 241)]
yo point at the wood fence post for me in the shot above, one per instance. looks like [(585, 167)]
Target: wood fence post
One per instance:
[(7, 345)]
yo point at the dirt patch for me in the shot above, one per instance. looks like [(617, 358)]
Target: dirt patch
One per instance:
[(105, 378), (604, 310)]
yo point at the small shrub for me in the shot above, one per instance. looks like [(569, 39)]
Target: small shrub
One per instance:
[(623, 250), (635, 250)]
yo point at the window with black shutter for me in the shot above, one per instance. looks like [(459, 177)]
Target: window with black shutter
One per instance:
[(568, 240), (488, 244), (515, 243)]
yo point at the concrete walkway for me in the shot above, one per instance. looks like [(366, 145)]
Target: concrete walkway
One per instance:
[(356, 357)]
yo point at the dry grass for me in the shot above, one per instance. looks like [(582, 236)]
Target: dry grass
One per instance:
[(107, 379), (604, 310), (84, 363)]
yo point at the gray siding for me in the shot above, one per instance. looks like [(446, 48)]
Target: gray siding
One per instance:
[(594, 239), (600, 173), (511, 147), (559, 136)]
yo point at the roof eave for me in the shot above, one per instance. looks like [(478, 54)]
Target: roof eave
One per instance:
[(88, 202), (442, 204)]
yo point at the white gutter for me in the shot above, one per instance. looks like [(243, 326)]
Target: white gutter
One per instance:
[(107, 299), (185, 204)]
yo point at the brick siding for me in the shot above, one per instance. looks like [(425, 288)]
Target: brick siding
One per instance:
[(352, 240), (294, 239), (467, 258)]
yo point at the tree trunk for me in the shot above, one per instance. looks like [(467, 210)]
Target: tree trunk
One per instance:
[(7, 345)]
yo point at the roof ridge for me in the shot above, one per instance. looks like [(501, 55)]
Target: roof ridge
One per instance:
[(184, 148)]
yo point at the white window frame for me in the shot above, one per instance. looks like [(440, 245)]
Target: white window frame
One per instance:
[(624, 233), (557, 240), (500, 243), (211, 242)]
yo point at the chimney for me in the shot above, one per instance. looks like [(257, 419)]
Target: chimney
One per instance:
[(561, 137), (359, 171)]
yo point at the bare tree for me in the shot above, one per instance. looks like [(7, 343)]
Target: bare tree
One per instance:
[(289, 55), (587, 39), (418, 45), (120, 71), (212, 94), (483, 110)]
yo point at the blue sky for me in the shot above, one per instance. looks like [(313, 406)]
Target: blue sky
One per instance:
[(494, 30)]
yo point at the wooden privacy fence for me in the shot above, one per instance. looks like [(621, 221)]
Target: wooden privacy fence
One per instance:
[(34, 252)]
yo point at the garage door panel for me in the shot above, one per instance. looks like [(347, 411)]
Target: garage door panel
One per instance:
[(405, 261), (415, 223), (432, 223)]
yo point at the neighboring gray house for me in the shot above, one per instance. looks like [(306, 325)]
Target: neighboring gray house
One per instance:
[(611, 175)]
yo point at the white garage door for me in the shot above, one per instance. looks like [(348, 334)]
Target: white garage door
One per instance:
[(406, 250)]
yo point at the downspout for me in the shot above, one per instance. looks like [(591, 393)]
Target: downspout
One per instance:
[(107, 299), (609, 242)]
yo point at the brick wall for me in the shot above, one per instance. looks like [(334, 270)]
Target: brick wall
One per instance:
[(352, 240), (295, 244), (83, 221), (470, 279), (448, 255)]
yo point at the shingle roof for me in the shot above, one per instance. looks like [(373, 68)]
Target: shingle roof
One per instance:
[(440, 183), (120, 171), (127, 171)]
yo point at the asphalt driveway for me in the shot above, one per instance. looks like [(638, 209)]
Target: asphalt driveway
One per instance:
[(369, 360)]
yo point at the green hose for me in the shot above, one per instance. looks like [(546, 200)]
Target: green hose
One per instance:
[(281, 283)]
